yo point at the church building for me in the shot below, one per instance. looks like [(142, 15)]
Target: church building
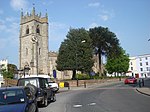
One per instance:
[(34, 55), (33, 52)]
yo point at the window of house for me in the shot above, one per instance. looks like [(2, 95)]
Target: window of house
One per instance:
[(140, 59), (27, 29), (37, 29), (146, 63), (131, 63), (131, 68), (145, 58), (140, 64), (147, 68), (142, 74), (141, 69)]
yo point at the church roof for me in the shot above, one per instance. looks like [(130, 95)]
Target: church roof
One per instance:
[(52, 54)]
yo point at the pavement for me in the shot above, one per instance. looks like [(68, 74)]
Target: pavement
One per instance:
[(107, 83), (143, 89), (146, 88)]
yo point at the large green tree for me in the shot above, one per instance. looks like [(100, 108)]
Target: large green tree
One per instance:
[(104, 42), (119, 64), (75, 53), (10, 71)]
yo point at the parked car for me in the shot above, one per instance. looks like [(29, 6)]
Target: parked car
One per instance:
[(130, 80), (44, 93), (53, 85), (17, 99)]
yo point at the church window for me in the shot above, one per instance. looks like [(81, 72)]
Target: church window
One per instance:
[(27, 29), (38, 29)]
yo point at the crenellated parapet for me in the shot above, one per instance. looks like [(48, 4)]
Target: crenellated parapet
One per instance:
[(33, 16)]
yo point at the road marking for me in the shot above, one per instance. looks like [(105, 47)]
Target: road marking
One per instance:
[(92, 104), (77, 106)]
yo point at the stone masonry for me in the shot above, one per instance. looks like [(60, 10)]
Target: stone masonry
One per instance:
[(33, 39)]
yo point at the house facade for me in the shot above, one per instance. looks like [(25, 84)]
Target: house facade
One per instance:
[(139, 65), (3, 64)]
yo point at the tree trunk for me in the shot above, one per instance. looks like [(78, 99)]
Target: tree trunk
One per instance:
[(74, 75), (100, 64)]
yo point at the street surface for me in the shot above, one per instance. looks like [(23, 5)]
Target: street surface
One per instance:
[(114, 98)]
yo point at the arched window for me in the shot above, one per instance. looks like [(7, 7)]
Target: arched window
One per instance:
[(38, 29), (27, 29)]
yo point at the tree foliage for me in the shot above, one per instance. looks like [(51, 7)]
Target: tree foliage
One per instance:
[(104, 42), (75, 52), (12, 69), (119, 64)]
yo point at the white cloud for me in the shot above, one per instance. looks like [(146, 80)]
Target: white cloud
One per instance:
[(104, 17), (19, 4), (93, 25), (95, 4), (9, 29)]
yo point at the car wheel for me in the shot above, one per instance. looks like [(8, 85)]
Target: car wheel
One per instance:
[(45, 102), (54, 98), (37, 110)]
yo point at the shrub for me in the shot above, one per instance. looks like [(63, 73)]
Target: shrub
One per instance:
[(82, 77)]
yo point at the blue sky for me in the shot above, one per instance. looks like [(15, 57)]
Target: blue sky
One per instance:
[(128, 19)]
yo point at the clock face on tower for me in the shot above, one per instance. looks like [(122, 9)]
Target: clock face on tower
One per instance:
[(34, 39)]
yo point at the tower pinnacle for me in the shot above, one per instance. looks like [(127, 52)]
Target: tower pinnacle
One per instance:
[(33, 11)]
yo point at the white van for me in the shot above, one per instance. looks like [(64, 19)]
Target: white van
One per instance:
[(1, 80), (53, 84), (40, 75)]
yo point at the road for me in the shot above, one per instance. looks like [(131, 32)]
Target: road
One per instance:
[(114, 98)]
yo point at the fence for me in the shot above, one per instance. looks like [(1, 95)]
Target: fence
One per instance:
[(71, 83)]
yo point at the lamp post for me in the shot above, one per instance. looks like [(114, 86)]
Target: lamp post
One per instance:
[(83, 41), (26, 69)]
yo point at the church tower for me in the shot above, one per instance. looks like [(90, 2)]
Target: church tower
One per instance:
[(33, 40)]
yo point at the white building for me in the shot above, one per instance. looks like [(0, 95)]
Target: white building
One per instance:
[(3, 64), (139, 65), (132, 71)]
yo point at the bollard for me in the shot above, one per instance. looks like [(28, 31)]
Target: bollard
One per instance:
[(68, 86), (143, 82), (77, 83), (84, 84), (119, 78), (139, 83)]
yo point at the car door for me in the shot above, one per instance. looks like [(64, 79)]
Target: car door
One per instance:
[(31, 102), (44, 86)]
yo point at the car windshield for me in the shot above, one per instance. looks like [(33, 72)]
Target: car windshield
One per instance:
[(24, 82), (130, 77), (11, 96)]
